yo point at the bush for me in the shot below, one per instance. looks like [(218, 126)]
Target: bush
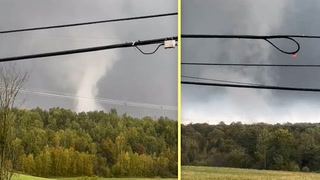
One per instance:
[(108, 173), (305, 169), (239, 158), (88, 178), (293, 167)]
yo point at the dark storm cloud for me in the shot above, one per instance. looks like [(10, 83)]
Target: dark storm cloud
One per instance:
[(116, 74), (255, 18), (300, 18)]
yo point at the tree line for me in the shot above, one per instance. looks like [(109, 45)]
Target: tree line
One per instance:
[(59, 142), (291, 147)]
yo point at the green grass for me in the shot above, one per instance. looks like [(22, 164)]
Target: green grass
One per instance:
[(27, 177), (202, 173)]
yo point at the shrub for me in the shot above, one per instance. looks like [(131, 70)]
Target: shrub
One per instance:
[(305, 169)]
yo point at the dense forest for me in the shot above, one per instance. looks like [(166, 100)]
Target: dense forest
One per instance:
[(61, 143), (291, 147)]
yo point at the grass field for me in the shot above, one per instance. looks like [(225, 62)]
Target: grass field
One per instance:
[(193, 172), (26, 177)]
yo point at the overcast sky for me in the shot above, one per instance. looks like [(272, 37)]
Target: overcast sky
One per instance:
[(123, 74), (250, 17)]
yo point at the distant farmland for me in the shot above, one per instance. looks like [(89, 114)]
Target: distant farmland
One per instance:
[(198, 172)]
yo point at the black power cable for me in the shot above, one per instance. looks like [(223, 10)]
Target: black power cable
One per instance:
[(250, 65), (248, 36), (251, 86), (218, 80), (91, 49), (89, 23)]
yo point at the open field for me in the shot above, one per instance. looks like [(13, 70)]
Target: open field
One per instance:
[(194, 172), (27, 177)]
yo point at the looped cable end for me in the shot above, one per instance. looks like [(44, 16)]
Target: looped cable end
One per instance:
[(149, 53), (293, 53)]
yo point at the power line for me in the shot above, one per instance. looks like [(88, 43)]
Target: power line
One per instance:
[(251, 86), (266, 38), (214, 36), (102, 100), (218, 80), (89, 23), (251, 65), (91, 49)]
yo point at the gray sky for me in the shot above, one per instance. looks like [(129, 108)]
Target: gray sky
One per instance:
[(123, 74), (263, 17)]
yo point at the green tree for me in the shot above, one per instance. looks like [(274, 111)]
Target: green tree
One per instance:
[(262, 146)]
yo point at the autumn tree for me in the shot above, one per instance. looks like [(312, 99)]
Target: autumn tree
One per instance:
[(60, 143)]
